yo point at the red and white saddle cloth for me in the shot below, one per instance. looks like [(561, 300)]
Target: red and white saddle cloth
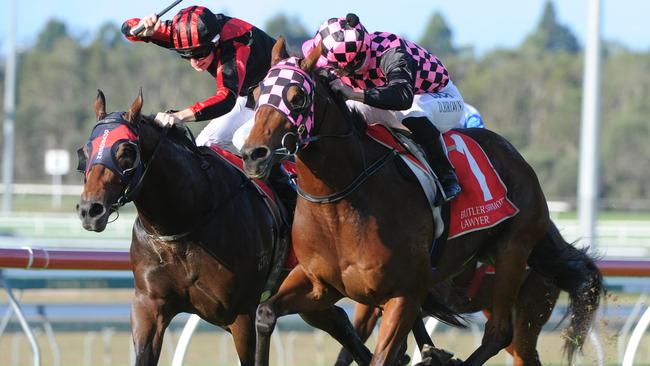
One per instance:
[(483, 202), (266, 190)]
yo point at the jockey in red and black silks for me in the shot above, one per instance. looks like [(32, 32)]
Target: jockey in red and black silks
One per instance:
[(238, 56), (394, 82), (234, 52)]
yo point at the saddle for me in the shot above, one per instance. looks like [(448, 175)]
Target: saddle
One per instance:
[(483, 202)]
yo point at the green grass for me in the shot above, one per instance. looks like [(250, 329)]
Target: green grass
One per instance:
[(43, 203), (607, 215)]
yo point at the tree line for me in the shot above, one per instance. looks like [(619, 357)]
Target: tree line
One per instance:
[(531, 94)]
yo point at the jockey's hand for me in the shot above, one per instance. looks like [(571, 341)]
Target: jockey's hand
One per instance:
[(166, 119), (339, 87), (151, 24)]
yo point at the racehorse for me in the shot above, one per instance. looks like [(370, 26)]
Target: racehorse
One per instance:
[(471, 291), (204, 241), (361, 230)]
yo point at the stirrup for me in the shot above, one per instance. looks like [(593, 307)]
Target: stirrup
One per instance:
[(441, 195)]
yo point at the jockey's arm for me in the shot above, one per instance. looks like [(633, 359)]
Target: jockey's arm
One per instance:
[(229, 74), (397, 94), (186, 115), (160, 34)]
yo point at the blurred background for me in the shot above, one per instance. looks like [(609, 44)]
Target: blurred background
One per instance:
[(522, 64)]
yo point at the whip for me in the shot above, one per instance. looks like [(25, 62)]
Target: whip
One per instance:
[(139, 28)]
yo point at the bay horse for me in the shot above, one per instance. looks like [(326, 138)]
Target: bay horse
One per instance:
[(362, 229), (204, 240), (471, 291)]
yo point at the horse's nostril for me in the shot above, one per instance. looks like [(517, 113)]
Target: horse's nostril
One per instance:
[(96, 209), (260, 153)]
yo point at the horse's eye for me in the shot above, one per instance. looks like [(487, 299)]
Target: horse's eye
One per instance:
[(127, 156), (298, 101)]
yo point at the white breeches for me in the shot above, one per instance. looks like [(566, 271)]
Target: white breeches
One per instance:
[(230, 130), (443, 109)]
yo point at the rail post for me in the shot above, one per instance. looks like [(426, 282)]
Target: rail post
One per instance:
[(36, 352)]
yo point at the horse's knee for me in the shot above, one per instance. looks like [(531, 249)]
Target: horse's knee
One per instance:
[(265, 319)]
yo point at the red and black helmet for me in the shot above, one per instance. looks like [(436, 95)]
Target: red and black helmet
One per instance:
[(194, 31)]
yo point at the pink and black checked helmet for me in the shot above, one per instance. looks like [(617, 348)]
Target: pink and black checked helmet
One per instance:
[(345, 42)]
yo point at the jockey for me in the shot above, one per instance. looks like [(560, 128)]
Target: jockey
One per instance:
[(394, 82), (236, 54)]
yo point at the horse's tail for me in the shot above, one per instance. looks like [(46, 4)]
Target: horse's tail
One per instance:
[(575, 272), (432, 306)]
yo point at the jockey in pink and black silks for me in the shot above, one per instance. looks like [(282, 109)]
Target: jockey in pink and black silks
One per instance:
[(235, 53), (394, 82)]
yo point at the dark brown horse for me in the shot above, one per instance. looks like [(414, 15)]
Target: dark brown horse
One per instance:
[(472, 290), (204, 240), (363, 230)]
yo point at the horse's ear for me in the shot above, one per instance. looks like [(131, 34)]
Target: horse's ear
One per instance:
[(309, 62), (133, 115), (279, 51), (100, 105)]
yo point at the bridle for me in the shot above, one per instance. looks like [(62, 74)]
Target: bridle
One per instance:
[(302, 116), (126, 133), (133, 177)]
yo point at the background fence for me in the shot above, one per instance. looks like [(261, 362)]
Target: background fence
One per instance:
[(100, 329)]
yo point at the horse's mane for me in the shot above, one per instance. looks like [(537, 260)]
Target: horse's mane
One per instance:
[(322, 78), (180, 136)]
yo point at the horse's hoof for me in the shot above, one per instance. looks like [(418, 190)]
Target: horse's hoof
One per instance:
[(406, 359), (435, 357)]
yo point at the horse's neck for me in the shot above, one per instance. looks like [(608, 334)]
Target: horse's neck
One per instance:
[(331, 163), (175, 192)]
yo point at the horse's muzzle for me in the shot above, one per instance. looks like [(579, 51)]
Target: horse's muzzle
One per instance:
[(257, 161), (93, 215)]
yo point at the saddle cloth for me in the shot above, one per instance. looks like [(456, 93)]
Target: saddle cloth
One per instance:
[(483, 202)]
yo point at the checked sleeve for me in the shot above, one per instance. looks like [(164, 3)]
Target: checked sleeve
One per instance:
[(397, 94)]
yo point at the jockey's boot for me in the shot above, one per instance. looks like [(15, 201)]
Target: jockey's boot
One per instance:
[(284, 189), (430, 139)]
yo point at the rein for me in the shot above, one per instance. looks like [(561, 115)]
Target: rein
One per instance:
[(208, 215), (356, 183), (366, 173), (128, 193)]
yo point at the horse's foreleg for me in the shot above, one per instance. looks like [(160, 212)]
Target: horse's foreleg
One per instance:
[(509, 275), (364, 320), (297, 294), (335, 322), (148, 324), (532, 310), (420, 333), (243, 333), (398, 319)]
